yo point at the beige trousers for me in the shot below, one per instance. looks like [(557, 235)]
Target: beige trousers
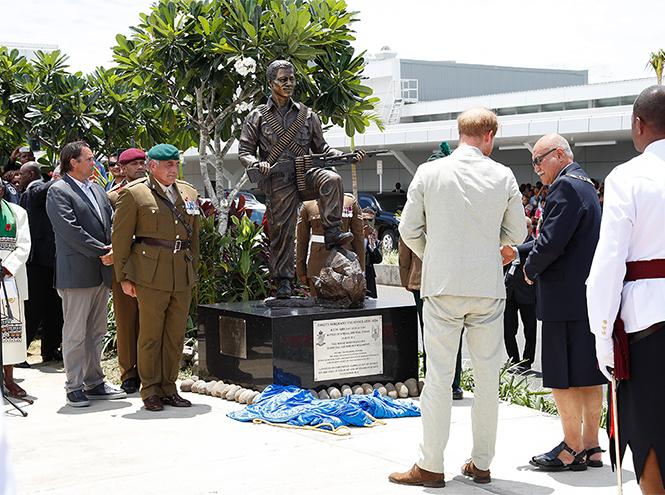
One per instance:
[(445, 317)]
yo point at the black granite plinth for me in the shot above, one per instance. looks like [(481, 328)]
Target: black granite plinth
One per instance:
[(254, 345)]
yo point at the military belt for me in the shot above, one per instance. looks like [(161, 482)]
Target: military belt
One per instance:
[(176, 245), (318, 238)]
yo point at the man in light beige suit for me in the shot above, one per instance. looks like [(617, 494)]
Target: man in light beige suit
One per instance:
[(473, 205)]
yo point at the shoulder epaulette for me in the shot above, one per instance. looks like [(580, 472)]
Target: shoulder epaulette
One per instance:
[(137, 182)]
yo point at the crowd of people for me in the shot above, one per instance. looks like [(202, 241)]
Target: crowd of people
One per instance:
[(593, 276), (69, 240), (594, 280)]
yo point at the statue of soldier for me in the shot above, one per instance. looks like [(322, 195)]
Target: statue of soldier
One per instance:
[(282, 130)]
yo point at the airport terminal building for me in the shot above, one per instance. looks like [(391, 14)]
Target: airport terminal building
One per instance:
[(420, 101)]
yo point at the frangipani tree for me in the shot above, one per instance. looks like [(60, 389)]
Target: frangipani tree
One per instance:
[(207, 59)]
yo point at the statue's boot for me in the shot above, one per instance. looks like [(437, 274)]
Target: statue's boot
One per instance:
[(336, 237), (284, 289)]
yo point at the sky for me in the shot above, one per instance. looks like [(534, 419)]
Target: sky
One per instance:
[(612, 38)]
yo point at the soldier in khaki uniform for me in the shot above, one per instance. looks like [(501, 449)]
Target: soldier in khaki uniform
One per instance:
[(159, 268), (309, 218), (126, 307)]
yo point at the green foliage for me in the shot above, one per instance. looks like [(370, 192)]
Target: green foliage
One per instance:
[(208, 59), (110, 339), (41, 100), (516, 389), (390, 257), (245, 271)]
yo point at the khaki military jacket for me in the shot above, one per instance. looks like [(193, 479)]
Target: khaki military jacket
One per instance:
[(140, 212), (410, 267), (310, 218), (114, 192)]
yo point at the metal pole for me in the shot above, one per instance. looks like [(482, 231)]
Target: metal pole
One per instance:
[(615, 422)]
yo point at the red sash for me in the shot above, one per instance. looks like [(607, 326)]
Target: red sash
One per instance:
[(635, 270)]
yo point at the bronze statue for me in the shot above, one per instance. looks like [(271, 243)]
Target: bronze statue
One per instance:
[(285, 132)]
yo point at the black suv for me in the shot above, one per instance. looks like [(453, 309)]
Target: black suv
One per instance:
[(388, 209)]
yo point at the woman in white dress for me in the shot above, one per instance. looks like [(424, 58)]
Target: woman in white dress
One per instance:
[(14, 252)]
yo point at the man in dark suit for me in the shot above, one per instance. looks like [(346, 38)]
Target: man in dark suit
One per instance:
[(521, 297), (559, 263), (373, 255), (44, 306), (81, 216)]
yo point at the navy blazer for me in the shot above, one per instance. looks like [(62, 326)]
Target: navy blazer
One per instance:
[(561, 257), (42, 250), (515, 283), (80, 235)]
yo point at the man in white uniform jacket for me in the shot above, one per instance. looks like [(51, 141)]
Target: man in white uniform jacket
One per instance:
[(628, 272), (470, 205)]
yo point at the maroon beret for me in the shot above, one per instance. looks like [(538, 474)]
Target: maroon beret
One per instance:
[(130, 155)]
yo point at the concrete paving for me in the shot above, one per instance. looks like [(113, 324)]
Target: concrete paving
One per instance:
[(116, 447)]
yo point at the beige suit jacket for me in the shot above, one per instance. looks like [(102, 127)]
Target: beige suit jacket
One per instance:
[(471, 205)]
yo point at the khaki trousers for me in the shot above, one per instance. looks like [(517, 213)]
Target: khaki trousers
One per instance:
[(163, 320), (127, 324), (445, 317)]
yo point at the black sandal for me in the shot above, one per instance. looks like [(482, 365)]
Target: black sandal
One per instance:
[(550, 461), (589, 453)]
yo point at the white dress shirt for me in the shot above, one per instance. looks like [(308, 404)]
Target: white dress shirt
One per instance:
[(632, 229), (86, 188)]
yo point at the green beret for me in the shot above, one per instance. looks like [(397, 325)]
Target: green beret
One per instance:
[(164, 152)]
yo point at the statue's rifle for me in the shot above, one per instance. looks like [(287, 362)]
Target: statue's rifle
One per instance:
[(305, 162)]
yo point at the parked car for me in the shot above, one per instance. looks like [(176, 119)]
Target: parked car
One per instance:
[(387, 209), (251, 203)]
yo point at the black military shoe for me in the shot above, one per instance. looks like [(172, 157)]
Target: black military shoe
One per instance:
[(335, 237), (284, 289)]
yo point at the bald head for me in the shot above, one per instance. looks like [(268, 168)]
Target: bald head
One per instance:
[(29, 172), (648, 123), (550, 141)]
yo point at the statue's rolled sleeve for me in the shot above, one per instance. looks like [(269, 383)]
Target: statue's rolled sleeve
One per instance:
[(249, 140)]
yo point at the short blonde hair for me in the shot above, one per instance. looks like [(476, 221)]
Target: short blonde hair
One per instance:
[(476, 122)]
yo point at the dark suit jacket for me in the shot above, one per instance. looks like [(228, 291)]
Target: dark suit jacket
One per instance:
[(80, 234), (42, 251), (372, 257), (561, 257), (515, 283)]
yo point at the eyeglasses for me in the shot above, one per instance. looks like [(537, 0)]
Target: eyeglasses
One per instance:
[(539, 159)]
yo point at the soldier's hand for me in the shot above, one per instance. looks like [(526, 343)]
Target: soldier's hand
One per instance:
[(360, 156), (107, 259), (508, 253), (129, 288), (264, 167), (303, 279)]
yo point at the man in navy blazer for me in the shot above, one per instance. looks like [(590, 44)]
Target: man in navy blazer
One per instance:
[(44, 307), (559, 263), (81, 215)]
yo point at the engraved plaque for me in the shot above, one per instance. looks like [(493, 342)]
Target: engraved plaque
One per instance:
[(348, 347), (233, 337)]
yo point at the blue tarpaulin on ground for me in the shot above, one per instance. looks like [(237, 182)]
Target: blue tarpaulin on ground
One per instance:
[(295, 407)]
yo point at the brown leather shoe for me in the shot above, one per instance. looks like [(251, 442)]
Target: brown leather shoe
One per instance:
[(153, 403), (418, 477), (478, 475), (176, 401)]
